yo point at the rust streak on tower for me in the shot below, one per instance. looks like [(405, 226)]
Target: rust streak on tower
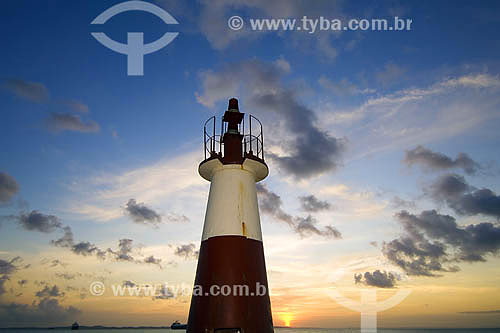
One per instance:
[(231, 252)]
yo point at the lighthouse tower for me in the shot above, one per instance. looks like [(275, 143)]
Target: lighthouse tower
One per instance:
[(231, 293)]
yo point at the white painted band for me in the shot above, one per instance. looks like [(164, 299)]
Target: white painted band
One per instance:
[(232, 207)]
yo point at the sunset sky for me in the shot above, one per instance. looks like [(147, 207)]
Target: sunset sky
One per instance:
[(383, 150)]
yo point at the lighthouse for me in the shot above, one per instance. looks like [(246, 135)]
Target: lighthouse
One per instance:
[(231, 293)]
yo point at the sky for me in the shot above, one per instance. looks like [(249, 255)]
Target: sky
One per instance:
[(383, 151)]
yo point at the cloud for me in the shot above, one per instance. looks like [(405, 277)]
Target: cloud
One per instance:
[(47, 311), (38, 222), (481, 80), (398, 202), (49, 292), (343, 87), (128, 283), (187, 251), (311, 204), (8, 187), (32, 91), (152, 260), (76, 106), (164, 293), (307, 151), (172, 217), (22, 282), (438, 161), (313, 151), (59, 122), (212, 23), (7, 268), (389, 74), (463, 198), (80, 248), (442, 109), (162, 183), (307, 226), (65, 241), (65, 276), (270, 203), (434, 243), (379, 279), (124, 250), (3, 279), (57, 262), (142, 214), (85, 248)]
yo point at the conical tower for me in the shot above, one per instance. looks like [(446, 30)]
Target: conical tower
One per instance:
[(231, 293)]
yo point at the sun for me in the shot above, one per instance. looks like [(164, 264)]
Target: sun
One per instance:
[(287, 318)]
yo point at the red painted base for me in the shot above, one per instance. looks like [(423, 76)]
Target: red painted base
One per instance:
[(230, 261)]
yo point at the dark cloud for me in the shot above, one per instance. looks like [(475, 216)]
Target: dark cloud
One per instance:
[(187, 251), (48, 223), (310, 150), (124, 250), (152, 260), (8, 267), (3, 279), (307, 226), (438, 161), (32, 91), (80, 248), (66, 276), (123, 253), (433, 243), (22, 282), (65, 241), (58, 122), (128, 283), (313, 151), (47, 311), (379, 279), (463, 198), (8, 187), (57, 262), (270, 203), (142, 214), (312, 204), (39, 222), (49, 292), (87, 249)]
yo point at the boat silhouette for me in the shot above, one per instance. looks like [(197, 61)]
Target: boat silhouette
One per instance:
[(176, 325)]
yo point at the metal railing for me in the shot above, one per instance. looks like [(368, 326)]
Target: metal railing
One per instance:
[(252, 143)]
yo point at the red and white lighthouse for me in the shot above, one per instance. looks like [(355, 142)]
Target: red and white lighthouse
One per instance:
[(231, 293)]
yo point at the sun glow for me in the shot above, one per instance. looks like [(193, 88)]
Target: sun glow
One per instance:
[(287, 318)]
